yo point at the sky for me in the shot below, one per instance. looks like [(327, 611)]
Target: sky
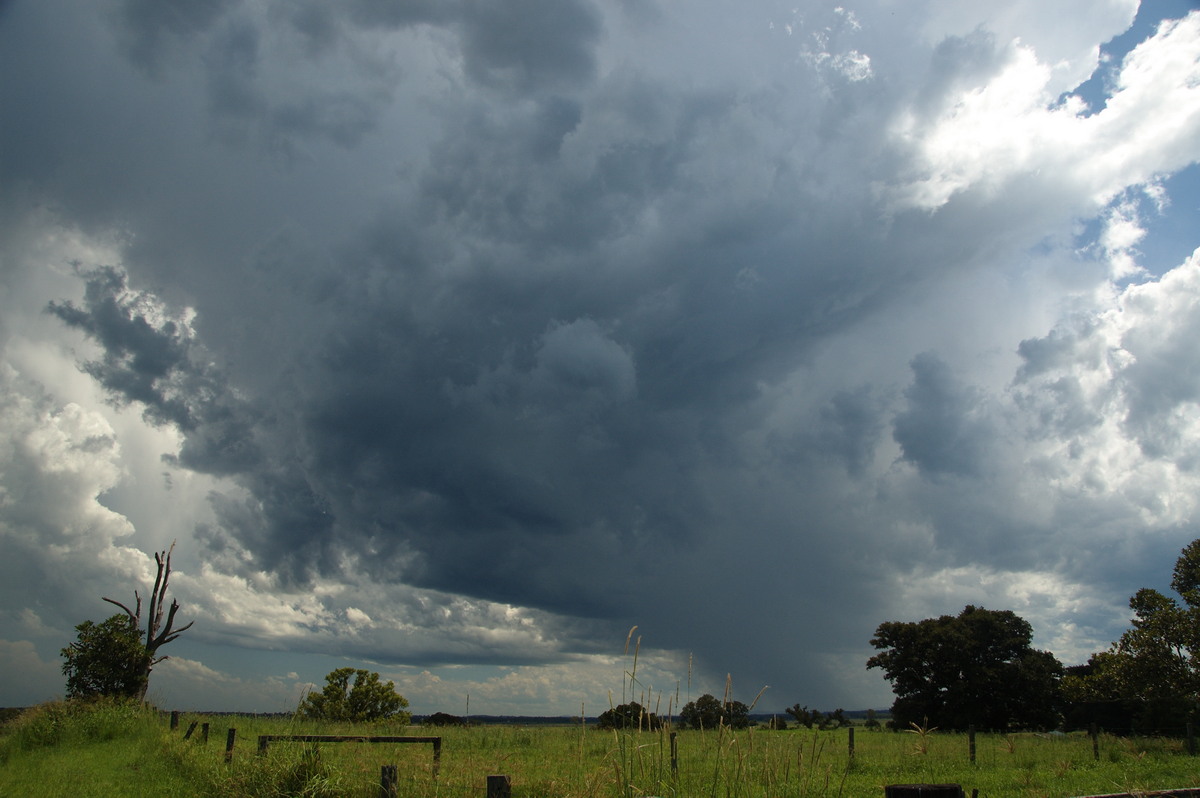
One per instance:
[(453, 340)]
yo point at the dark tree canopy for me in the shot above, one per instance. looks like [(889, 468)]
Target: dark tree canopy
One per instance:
[(1150, 678), (367, 699), (974, 669), (629, 716), (444, 719), (106, 659), (822, 720), (706, 712)]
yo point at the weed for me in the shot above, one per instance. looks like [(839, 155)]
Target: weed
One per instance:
[(921, 747)]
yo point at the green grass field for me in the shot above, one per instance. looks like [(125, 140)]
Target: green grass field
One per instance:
[(111, 750)]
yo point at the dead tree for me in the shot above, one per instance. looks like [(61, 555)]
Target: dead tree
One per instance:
[(158, 633)]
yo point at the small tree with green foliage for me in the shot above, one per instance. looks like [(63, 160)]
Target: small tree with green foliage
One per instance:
[(1153, 671), (107, 659), (629, 716), (706, 712), (159, 632), (366, 700)]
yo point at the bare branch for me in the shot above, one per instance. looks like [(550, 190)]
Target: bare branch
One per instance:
[(154, 616), (157, 634), (122, 606), (136, 616), (167, 635)]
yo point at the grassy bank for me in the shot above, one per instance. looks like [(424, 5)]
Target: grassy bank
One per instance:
[(114, 750)]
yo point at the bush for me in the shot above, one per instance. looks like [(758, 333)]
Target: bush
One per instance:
[(366, 700), (629, 716), (107, 659), (706, 712)]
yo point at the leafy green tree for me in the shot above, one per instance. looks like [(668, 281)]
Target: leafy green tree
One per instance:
[(158, 632), (106, 659), (109, 659), (628, 716), (367, 699), (973, 669), (706, 712), (1154, 669)]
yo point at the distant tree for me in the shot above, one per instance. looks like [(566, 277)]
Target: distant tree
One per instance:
[(629, 716), (444, 719), (976, 668), (872, 722), (814, 717), (803, 715), (706, 712), (703, 713), (834, 720), (1154, 669), (104, 659), (367, 699), (737, 715)]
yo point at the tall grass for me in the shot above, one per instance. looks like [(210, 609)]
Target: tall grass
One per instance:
[(114, 750), (65, 723)]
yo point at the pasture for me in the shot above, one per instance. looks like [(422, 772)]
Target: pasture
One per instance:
[(112, 751)]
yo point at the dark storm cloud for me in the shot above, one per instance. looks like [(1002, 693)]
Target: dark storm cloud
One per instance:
[(150, 30), (599, 321), (548, 354), (157, 364), (845, 430), (942, 431), (530, 44)]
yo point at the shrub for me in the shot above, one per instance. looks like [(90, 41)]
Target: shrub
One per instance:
[(366, 700)]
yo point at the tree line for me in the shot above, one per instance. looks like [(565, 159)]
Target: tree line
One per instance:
[(979, 669)]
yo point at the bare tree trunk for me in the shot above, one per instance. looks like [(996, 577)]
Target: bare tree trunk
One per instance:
[(158, 634)]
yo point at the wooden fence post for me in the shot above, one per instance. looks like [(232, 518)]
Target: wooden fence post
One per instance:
[(229, 738), (187, 735), (971, 742), (674, 755), (388, 780), (499, 787), (204, 733), (923, 791), (1095, 734), (851, 743), (174, 719)]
